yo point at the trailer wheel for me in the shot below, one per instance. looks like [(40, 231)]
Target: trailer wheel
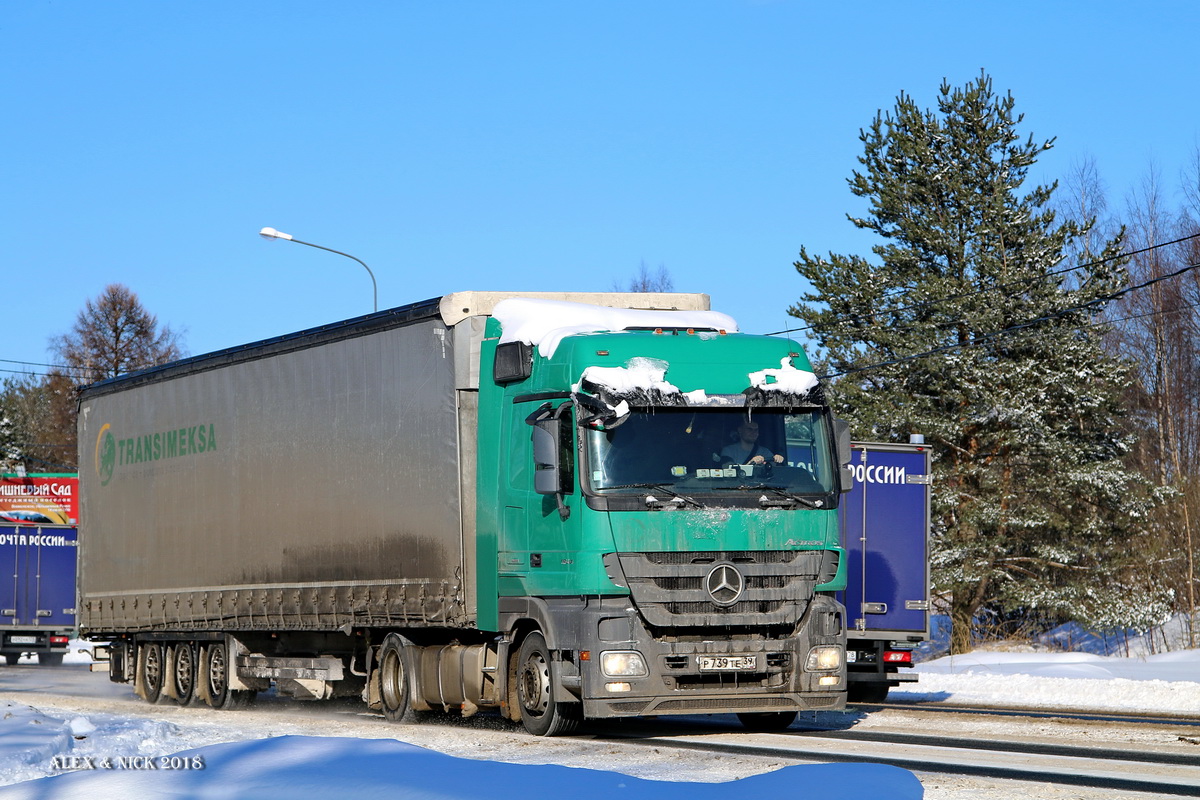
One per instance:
[(216, 677), (767, 721), (11, 659), (395, 680), (50, 659), (540, 714), (185, 672), (152, 671)]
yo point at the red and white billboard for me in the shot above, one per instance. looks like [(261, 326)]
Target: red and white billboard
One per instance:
[(39, 499)]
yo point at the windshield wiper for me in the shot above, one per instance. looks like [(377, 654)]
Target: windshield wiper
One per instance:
[(662, 487), (786, 496)]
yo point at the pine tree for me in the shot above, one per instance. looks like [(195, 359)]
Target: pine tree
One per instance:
[(1032, 505)]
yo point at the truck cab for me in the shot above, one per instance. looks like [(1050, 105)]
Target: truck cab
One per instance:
[(668, 566)]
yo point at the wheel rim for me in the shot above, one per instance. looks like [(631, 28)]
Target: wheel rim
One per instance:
[(185, 670), (216, 672), (391, 680), (535, 685), (153, 669)]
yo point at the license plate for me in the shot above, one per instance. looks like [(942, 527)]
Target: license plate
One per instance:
[(728, 663), (23, 639)]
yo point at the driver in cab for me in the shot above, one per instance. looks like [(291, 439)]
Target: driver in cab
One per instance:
[(747, 450)]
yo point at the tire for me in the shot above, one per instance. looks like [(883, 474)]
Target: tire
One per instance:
[(867, 692), (50, 659), (11, 659), (153, 671), (216, 677), (395, 680), (540, 715), (184, 674), (767, 721)]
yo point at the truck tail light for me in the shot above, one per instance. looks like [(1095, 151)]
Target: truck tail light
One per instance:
[(897, 656), (59, 640)]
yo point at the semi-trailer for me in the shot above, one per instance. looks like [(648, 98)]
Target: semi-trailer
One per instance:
[(885, 531), (539, 503)]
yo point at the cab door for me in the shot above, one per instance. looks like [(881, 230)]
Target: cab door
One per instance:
[(536, 555)]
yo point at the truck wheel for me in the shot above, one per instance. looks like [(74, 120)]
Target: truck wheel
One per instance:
[(867, 692), (767, 721), (12, 658), (216, 676), (152, 671), (185, 672), (395, 680), (50, 659), (540, 715)]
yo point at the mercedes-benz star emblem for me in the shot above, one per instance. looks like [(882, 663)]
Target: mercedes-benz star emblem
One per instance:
[(725, 584)]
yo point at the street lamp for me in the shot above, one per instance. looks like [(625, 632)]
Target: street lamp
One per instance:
[(271, 233)]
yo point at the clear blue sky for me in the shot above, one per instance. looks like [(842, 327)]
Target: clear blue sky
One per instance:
[(507, 145)]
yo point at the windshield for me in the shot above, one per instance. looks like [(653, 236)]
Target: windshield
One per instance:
[(701, 450)]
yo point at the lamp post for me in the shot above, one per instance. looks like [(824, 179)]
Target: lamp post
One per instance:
[(271, 233)]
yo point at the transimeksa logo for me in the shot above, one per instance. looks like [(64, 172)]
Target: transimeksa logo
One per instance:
[(106, 454), (112, 452)]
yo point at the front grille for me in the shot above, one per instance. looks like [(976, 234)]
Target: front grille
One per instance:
[(712, 557), (669, 588), (724, 703), (716, 680), (694, 582), (630, 706), (688, 609)]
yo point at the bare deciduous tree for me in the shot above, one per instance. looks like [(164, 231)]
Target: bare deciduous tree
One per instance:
[(644, 281), (115, 334), (1157, 331)]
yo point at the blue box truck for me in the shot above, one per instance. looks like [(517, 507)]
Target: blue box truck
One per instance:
[(37, 591), (38, 538), (884, 523)]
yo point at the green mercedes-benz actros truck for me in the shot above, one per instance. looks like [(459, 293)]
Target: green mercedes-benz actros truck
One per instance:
[(562, 506)]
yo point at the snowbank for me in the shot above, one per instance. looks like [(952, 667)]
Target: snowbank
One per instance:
[(289, 767), (1164, 683)]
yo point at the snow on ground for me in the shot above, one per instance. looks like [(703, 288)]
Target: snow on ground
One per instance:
[(183, 753), (1167, 683)]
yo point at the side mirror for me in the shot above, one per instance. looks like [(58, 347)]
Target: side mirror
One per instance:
[(841, 433), (552, 473), (546, 467)]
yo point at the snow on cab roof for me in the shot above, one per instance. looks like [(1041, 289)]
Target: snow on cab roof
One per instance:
[(545, 323), (785, 379)]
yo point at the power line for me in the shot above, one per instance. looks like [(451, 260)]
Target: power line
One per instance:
[(987, 337), (34, 363), (43, 374), (1000, 287)]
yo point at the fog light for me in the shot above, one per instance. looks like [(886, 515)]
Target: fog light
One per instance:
[(823, 658), (829, 680), (623, 663), (618, 687)]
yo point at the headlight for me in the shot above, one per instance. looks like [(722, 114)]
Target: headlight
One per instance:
[(823, 658), (623, 664)]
